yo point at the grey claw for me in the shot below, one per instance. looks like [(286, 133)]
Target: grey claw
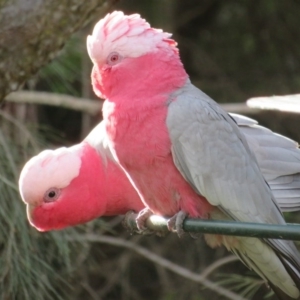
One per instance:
[(175, 224), (142, 218)]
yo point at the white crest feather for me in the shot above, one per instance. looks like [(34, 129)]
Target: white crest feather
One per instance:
[(131, 36), (50, 168)]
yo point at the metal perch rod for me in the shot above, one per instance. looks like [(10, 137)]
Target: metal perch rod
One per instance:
[(260, 230)]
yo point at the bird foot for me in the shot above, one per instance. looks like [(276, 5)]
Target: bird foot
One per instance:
[(175, 224), (140, 221), (126, 222), (142, 217)]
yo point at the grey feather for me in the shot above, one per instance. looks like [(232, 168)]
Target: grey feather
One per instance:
[(278, 158), (97, 139), (213, 155)]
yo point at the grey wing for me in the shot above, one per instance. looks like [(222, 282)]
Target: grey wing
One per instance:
[(278, 158), (97, 139), (213, 156)]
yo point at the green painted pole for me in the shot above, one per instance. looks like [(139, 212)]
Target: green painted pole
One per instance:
[(260, 230)]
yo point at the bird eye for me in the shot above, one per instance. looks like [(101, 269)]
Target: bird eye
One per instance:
[(114, 58), (51, 195)]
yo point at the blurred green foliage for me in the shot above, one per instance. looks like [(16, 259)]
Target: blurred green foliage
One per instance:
[(27, 257), (63, 75), (35, 265)]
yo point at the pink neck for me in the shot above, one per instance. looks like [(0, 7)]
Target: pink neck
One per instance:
[(120, 194), (113, 193)]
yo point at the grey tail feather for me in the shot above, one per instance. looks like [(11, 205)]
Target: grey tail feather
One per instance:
[(290, 267), (279, 293), (293, 272)]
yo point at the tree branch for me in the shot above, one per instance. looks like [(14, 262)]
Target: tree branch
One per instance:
[(157, 260), (89, 106), (217, 264), (287, 103), (33, 31)]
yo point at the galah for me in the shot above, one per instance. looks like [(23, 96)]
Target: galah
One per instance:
[(74, 185), (180, 150), (53, 184)]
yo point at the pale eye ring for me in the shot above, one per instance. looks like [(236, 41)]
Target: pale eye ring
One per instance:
[(51, 194), (113, 58)]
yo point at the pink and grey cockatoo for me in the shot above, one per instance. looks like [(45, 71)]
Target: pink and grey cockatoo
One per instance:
[(70, 186), (183, 154)]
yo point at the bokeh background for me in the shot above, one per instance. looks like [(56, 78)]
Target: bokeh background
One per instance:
[(232, 50)]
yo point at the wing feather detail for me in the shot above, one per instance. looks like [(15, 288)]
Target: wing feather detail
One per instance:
[(213, 156)]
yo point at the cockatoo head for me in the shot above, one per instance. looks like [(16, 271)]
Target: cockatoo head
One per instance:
[(62, 187), (129, 49)]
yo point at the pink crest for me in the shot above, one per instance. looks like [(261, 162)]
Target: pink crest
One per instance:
[(131, 36)]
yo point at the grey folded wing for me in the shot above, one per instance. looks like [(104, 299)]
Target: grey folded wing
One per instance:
[(212, 154), (278, 158)]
